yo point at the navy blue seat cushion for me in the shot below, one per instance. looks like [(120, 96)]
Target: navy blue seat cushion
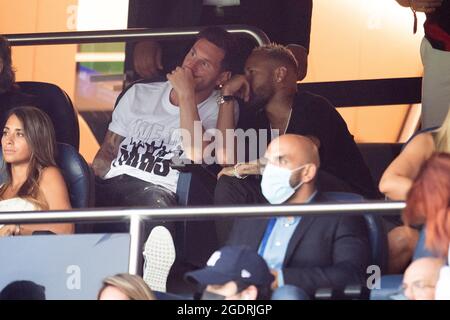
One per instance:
[(77, 175)]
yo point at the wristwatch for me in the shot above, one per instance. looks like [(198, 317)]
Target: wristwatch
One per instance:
[(221, 99)]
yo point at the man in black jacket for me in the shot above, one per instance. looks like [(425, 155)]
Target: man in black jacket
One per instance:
[(309, 252)]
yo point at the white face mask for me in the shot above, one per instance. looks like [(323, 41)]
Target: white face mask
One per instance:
[(275, 184)]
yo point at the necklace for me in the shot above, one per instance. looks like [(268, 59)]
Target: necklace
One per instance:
[(274, 135)]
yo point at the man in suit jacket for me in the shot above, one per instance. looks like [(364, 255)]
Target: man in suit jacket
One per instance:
[(286, 22), (309, 252)]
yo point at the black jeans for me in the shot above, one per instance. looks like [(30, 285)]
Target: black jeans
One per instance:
[(128, 191)]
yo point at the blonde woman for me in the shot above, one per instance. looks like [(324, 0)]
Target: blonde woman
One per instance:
[(125, 286), (397, 181), (33, 181)]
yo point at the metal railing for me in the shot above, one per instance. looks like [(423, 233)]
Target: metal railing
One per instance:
[(370, 92), (51, 38), (137, 215)]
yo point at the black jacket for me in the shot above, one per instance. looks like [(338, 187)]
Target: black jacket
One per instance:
[(330, 251), (313, 115)]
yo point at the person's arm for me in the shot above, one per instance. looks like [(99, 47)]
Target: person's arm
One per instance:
[(226, 149), (350, 258), (427, 6), (238, 87), (54, 190), (404, 3), (147, 59), (398, 178), (106, 154), (182, 81), (243, 169)]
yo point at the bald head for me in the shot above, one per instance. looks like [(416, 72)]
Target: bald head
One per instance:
[(420, 278), (295, 149)]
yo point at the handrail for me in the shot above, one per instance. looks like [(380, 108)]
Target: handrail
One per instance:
[(136, 215), (370, 92), (99, 214), (50, 38)]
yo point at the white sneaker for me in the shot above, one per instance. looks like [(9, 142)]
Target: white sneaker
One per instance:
[(159, 256)]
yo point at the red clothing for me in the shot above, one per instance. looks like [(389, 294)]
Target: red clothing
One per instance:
[(437, 27)]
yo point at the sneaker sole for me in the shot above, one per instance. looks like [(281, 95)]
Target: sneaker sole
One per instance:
[(159, 256)]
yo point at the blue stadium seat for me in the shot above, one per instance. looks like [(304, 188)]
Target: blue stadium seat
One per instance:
[(375, 226), (77, 175)]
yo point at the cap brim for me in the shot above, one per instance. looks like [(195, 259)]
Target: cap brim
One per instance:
[(207, 276)]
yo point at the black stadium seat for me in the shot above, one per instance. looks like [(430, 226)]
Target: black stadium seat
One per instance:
[(378, 156), (57, 104), (77, 175)]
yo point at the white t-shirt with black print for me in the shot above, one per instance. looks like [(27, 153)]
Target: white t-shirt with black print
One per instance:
[(149, 122)]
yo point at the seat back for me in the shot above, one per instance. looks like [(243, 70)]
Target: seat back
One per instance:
[(196, 240), (377, 233), (77, 175), (56, 103), (378, 156)]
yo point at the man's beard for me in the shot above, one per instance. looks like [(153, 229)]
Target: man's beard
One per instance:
[(259, 103)]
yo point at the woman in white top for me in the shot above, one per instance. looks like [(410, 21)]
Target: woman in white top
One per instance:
[(429, 201), (33, 180), (396, 183)]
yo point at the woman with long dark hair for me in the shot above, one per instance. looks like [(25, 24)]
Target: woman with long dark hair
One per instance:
[(33, 180)]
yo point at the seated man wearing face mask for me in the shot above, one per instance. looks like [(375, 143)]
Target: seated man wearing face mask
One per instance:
[(233, 273), (310, 252)]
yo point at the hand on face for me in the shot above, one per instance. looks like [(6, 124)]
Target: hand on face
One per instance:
[(427, 6), (182, 80), (237, 86)]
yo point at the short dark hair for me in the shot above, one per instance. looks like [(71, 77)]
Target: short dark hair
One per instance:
[(225, 41), (23, 290), (278, 53), (7, 75)]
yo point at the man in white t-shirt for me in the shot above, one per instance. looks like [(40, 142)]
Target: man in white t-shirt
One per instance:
[(132, 166)]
